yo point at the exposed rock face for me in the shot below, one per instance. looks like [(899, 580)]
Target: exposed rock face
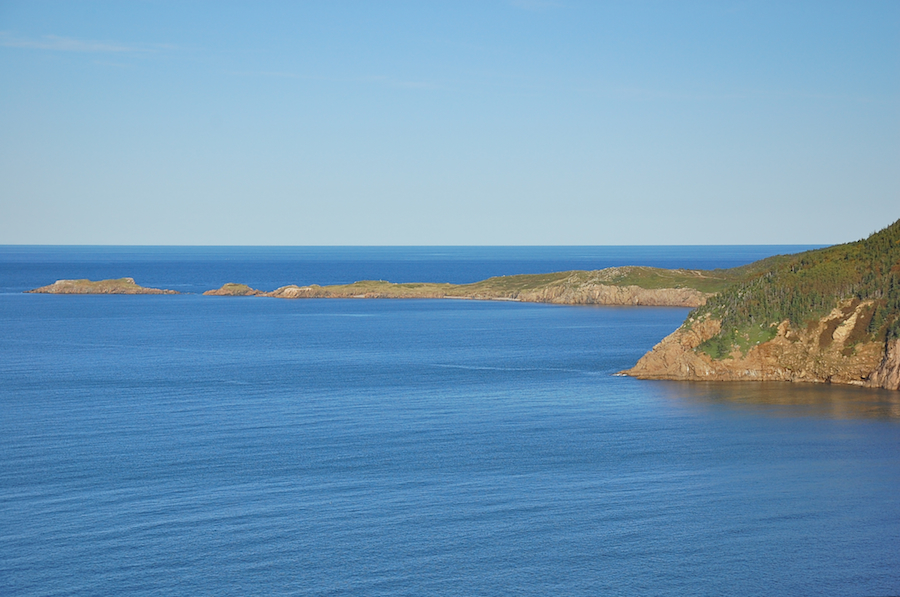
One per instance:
[(231, 289), (387, 291), (119, 286), (592, 294), (888, 373), (821, 353), (602, 294)]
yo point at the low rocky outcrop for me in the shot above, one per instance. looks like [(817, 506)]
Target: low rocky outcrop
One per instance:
[(823, 352), (231, 289), (117, 286), (588, 294), (363, 290)]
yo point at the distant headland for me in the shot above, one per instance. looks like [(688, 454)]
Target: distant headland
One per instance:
[(829, 315), (645, 286)]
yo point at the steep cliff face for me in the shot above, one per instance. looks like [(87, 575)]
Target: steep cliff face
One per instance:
[(824, 352), (887, 375), (827, 315)]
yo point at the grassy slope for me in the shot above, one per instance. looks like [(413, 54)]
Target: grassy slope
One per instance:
[(643, 277), (807, 286)]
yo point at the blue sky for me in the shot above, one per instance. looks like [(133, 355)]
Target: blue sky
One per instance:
[(448, 123)]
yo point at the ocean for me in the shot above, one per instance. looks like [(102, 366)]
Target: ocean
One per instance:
[(191, 445)]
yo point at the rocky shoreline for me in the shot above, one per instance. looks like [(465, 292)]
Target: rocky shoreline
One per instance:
[(595, 294), (821, 353), (827, 352), (566, 288)]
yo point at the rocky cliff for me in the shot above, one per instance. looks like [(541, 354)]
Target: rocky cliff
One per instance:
[(829, 315), (887, 375), (826, 351)]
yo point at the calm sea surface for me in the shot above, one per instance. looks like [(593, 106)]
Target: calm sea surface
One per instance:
[(190, 445)]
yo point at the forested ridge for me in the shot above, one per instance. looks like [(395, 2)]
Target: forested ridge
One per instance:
[(805, 287)]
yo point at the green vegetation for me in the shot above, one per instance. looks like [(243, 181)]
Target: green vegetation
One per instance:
[(741, 338), (643, 277), (805, 287), (382, 287), (651, 278), (516, 286)]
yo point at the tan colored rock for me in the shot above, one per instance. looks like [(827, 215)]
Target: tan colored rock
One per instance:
[(843, 330), (117, 286), (589, 294), (887, 375), (231, 289), (792, 355), (293, 291), (604, 294)]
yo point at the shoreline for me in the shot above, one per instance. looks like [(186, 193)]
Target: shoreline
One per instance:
[(623, 286)]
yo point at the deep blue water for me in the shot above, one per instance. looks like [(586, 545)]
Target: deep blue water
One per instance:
[(182, 445), (197, 269)]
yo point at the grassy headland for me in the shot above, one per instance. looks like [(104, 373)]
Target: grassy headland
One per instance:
[(611, 286), (828, 316)]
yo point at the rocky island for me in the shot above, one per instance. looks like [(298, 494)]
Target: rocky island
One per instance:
[(829, 316), (117, 286), (232, 289)]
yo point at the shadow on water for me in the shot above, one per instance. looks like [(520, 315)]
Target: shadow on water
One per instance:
[(789, 399)]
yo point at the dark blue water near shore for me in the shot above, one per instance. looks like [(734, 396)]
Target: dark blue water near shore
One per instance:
[(175, 445)]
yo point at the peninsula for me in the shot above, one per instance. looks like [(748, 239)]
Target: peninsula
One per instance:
[(118, 286), (830, 316), (646, 286)]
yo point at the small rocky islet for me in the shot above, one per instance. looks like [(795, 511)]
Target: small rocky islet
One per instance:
[(829, 315), (114, 286)]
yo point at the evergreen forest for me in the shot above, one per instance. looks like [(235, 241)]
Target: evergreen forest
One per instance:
[(803, 288)]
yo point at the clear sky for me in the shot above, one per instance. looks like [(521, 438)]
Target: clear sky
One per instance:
[(521, 122)]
